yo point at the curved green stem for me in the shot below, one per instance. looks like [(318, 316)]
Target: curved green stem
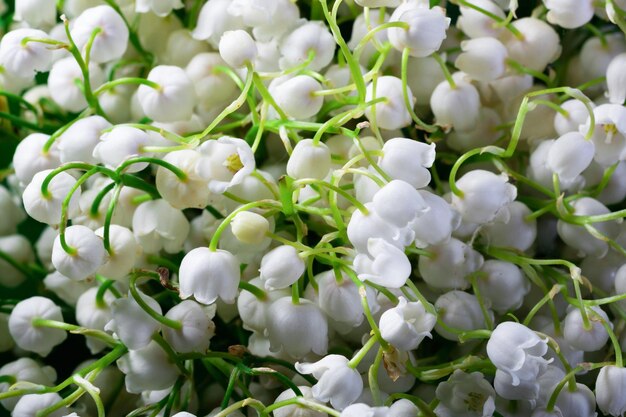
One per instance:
[(174, 324)]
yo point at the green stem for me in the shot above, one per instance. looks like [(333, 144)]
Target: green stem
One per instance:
[(254, 290), (358, 357), (125, 81), (174, 324)]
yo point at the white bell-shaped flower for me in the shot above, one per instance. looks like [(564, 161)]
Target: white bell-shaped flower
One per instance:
[(119, 144), (465, 394), (214, 19), (391, 113), (586, 339), (434, 226), (160, 8), (125, 250), (22, 59), (477, 63), (181, 194), (296, 96), (485, 197), (249, 227), (253, 310), (609, 134), (64, 80), (579, 238), (19, 249), (362, 227), (458, 310), (519, 232), (175, 98), (131, 323), (295, 410), (110, 42), (297, 329), (407, 324), (197, 328), (157, 225), (47, 208), (182, 47), (237, 48), (458, 107), (28, 405), (616, 79), (503, 285), (570, 155), (148, 368), (578, 403), (449, 265), (87, 253), (517, 351), (30, 337), (577, 115), (309, 160), (207, 275), (29, 157), (399, 203), (213, 88), (337, 383), (569, 14), (423, 75), (475, 24), (408, 160), (77, 143), (538, 46), (37, 13), (296, 45), (364, 410), (426, 31), (225, 163), (25, 369), (281, 267), (66, 289), (93, 315), (609, 386), (383, 264)]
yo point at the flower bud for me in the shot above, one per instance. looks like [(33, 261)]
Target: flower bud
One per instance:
[(458, 107), (309, 160), (281, 267), (175, 98), (19, 59), (483, 59), (47, 208), (87, 257), (586, 339), (426, 31), (77, 143), (391, 113), (29, 157), (237, 48), (63, 87), (112, 40), (295, 96), (120, 144), (249, 227), (312, 36)]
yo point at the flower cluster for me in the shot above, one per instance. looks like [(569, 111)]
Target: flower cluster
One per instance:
[(381, 208)]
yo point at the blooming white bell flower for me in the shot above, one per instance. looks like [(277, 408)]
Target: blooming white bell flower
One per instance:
[(38, 339), (399, 203), (237, 48), (465, 395), (570, 155), (213, 88), (616, 80), (580, 402), (296, 45), (503, 285), (477, 63), (160, 8), (20, 59), (435, 226), (336, 381), (519, 232), (281, 267), (449, 265), (577, 115), (407, 324), (47, 208), (609, 134), (181, 194), (148, 368), (476, 24), (111, 41), (207, 275), (297, 329), (92, 315), (295, 410), (364, 410), (131, 323), (87, 257), (253, 310), (225, 162), (609, 386), (309, 160), (458, 107), (214, 19), (25, 369), (459, 310), (29, 157), (383, 264), (485, 197), (119, 144), (517, 351), (197, 328), (362, 227), (408, 160), (426, 31), (296, 96), (569, 14), (77, 143), (20, 250), (157, 225), (173, 100), (37, 13), (595, 55), (28, 405), (391, 113), (586, 339), (63, 79), (121, 259), (539, 45)]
